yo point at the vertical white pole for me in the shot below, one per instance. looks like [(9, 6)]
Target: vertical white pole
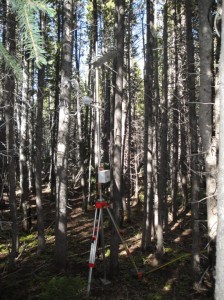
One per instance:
[(97, 129)]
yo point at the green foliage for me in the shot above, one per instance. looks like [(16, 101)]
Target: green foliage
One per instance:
[(10, 62), (30, 240), (154, 297), (27, 16), (63, 288), (108, 10), (141, 197), (3, 249), (137, 89)]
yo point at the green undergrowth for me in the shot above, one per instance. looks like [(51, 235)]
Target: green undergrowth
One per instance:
[(63, 288)]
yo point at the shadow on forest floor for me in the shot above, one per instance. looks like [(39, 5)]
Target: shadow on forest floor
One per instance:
[(166, 280)]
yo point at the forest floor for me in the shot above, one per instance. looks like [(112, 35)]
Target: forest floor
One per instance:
[(36, 277)]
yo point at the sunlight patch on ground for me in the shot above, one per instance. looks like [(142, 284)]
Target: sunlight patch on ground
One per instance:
[(178, 239), (176, 225), (186, 232), (169, 285)]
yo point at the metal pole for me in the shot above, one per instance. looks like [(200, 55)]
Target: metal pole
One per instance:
[(97, 129)]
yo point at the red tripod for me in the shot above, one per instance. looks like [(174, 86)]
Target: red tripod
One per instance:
[(97, 226)]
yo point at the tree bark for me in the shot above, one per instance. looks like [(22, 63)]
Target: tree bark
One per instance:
[(81, 153), (23, 150), (219, 285), (63, 135), (54, 131), (9, 98), (163, 167), (193, 124), (156, 120), (117, 195), (205, 115), (129, 117), (175, 116), (148, 139), (39, 139)]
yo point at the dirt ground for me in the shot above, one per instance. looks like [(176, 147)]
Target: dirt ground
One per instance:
[(169, 278)]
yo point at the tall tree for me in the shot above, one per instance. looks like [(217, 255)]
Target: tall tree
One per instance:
[(129, 117), (175, 112), (163, 167), (193, 124), (39, 139), (63, 135), (205, 114), (79, 119), (9, 98), (156, 117), (219, 284), (23, 147), (148, 131), (54, 131), (117, 201)]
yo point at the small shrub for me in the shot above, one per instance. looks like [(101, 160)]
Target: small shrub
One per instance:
[(63, 288), (154, 297)]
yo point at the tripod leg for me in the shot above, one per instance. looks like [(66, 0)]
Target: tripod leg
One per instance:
[(89, 280), (92, 256), (103, 244)]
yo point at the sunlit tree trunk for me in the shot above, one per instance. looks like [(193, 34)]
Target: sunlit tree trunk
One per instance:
[(219, 285), (81, 139), (81, 152), (156, 120), (23, 149), (205, 115)]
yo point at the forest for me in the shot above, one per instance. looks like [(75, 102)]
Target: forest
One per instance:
[(111, 149)]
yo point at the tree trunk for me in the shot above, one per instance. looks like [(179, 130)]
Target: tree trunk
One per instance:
[(63, 135), (148, 139), (129, 117), (219, 284), (9, 92), (54, 131), (195, 180), (39, 139), (117, 195), (205, 114), (156, 122), (81, 152), (163, 167), (31, 131), (23, 151), (175, 120)]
